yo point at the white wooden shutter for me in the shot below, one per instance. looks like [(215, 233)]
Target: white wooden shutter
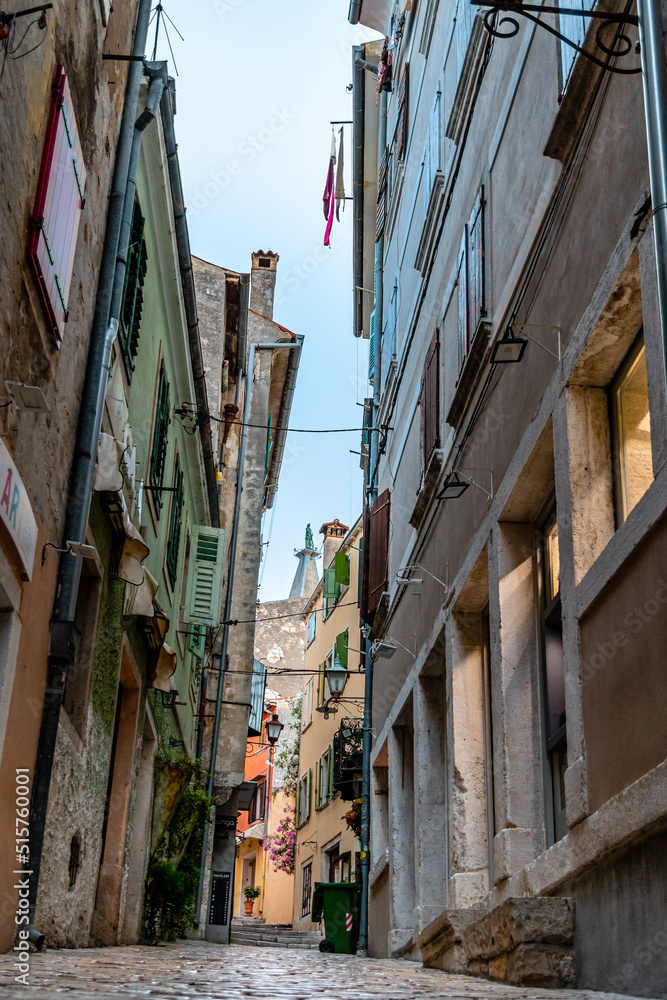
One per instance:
[(465, 15), (203, 605), (462, 282)]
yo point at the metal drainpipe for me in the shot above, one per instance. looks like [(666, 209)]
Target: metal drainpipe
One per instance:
[(654, 81), (228, 604), (358, 116), (372, 494), (103, 334)]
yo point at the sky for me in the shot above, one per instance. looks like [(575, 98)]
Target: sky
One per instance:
[(259, 82)]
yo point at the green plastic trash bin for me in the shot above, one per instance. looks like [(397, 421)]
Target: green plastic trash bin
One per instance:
[(338, 902)]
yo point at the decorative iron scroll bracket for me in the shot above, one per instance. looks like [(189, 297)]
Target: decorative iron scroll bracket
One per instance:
[(508, 27)]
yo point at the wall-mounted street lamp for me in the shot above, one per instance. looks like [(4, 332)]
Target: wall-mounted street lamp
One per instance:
[(274, 728), (404, 575), (508, 351), (336, 675), (456, 483), (173, 742), (170, 699)]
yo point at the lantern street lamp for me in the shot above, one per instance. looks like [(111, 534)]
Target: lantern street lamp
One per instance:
[(336, 675), (274, 728)]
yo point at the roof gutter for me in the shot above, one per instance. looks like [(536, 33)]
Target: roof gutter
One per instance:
[(358, 128), (189, 298), (283, 421)]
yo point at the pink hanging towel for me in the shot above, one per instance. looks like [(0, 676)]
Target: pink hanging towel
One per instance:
[(328, 198)]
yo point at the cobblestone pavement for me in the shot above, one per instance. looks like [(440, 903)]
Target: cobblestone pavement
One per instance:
[(192, 969)]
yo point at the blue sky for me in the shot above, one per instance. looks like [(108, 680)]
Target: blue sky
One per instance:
[(259, 82)]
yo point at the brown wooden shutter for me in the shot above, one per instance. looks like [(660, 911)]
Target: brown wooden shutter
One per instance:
[(430, 401), (378, 550), (401, 135), (382, 196)]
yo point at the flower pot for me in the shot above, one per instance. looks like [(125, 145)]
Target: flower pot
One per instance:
[(249, 906)]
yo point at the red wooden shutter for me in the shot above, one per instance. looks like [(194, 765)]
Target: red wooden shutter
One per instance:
[(58, 207), (430, 401), (378, 549)]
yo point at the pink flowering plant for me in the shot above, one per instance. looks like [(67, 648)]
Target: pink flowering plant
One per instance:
[(282, 845)]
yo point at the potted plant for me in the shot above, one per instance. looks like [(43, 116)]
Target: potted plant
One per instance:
[(251, 892)]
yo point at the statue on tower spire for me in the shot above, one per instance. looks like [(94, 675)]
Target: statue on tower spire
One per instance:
[(306, 577)]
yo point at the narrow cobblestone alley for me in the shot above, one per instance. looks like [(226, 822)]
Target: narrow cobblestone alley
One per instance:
[(202, 971)]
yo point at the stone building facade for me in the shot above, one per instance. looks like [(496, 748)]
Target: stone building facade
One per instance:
[(516, 531), (60, 57), (257, 379)]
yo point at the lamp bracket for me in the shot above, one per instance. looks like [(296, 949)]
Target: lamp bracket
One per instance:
[(535, 326), (508, 27), (469, 479)]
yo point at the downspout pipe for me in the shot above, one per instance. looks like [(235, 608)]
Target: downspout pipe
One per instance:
[(354, 11), (62, 646), (654, 81), (372, 494), (233, 542), (358, 126), (190, 299)]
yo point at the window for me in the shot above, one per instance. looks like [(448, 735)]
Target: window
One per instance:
[(330, 591), (553, 673), (58, 207), (257, 803), (573, 26), (631, 431), (312, 624), (303, 796), (133, 295), (159, 447), (323, 690), (323, 790), (375, 554), (433, 149), (306, 887), (175, 518), (307, 709), (470, 278), (257, 691), (429, 401)]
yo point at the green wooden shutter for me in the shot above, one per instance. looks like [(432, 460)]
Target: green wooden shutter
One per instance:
[(197, 641), (133, 295), (320, 684), (342, 569), (310, 790), (329, 586), (318, 783), (175, 517), (203, 605), (159, 446), (342, 642), (298, 804)]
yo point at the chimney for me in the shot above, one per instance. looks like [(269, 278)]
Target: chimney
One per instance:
[(334, 532), (263, 282)]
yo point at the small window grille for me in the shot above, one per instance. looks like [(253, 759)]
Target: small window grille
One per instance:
[(74, 849)]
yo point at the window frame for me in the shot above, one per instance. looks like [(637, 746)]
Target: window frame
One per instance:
[(306, 887), (622, 509), (554, 740)]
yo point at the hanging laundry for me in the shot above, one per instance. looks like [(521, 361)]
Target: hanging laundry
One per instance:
[(340, 182), (328, 198)]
